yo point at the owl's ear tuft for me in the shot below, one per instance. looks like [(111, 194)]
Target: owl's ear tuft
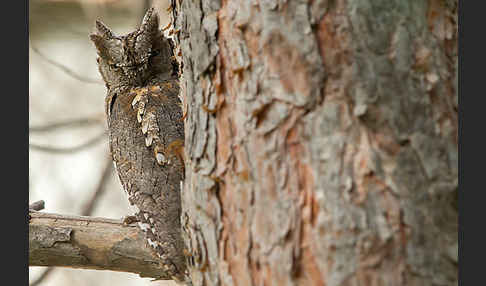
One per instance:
[(149, 29), (150, 22), (101, 38), (103, 30)]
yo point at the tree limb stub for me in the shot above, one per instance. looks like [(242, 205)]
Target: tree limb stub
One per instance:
[(37, 206), (90, 243)]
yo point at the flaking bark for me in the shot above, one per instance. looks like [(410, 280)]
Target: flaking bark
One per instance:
[(321, 141)]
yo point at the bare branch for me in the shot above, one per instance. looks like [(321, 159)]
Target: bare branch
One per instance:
[(67, 150), (87, 210), (90, 243), (42, 277), (65, 69), (83, 122), (90, 205)]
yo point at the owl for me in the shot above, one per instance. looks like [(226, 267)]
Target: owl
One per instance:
[(146, 131)]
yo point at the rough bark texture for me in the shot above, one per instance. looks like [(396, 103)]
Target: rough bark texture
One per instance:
[(321, 141), (91, 243)]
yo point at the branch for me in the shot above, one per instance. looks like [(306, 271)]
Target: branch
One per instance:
[(90, 205), (69, 124), (90, 243), (37, 206), (42, 277), (87, 210), (67, 150), (64, 68)]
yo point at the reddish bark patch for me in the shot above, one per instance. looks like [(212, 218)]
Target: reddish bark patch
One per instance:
[(308, 271), (226, 133), (285, 61), (333, 45), (438, 21), (311, 274)]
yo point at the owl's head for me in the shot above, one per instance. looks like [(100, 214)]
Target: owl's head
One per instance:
[(132, 59)]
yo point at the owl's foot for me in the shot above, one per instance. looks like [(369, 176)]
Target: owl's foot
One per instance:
[(129, 219)]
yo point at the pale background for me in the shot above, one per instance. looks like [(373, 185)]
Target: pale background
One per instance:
[(58, 32)]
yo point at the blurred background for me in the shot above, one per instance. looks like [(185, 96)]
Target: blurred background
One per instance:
[(69, 164)]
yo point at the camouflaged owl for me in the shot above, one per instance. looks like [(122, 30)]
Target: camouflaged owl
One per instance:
[(146, 130)]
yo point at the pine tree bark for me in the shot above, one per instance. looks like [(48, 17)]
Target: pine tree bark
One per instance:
[(321, 141)]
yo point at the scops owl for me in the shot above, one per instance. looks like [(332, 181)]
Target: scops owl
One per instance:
[(146, 130)]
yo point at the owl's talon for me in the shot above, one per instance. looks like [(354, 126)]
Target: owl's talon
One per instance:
[(129, 219)]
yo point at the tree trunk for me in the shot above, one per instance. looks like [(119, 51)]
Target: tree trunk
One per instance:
[(321, 141)]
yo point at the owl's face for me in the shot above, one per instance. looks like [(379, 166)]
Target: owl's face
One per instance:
[(126, 60)]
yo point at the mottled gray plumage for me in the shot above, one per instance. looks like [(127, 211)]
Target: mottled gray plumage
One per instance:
[(146, 130)]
